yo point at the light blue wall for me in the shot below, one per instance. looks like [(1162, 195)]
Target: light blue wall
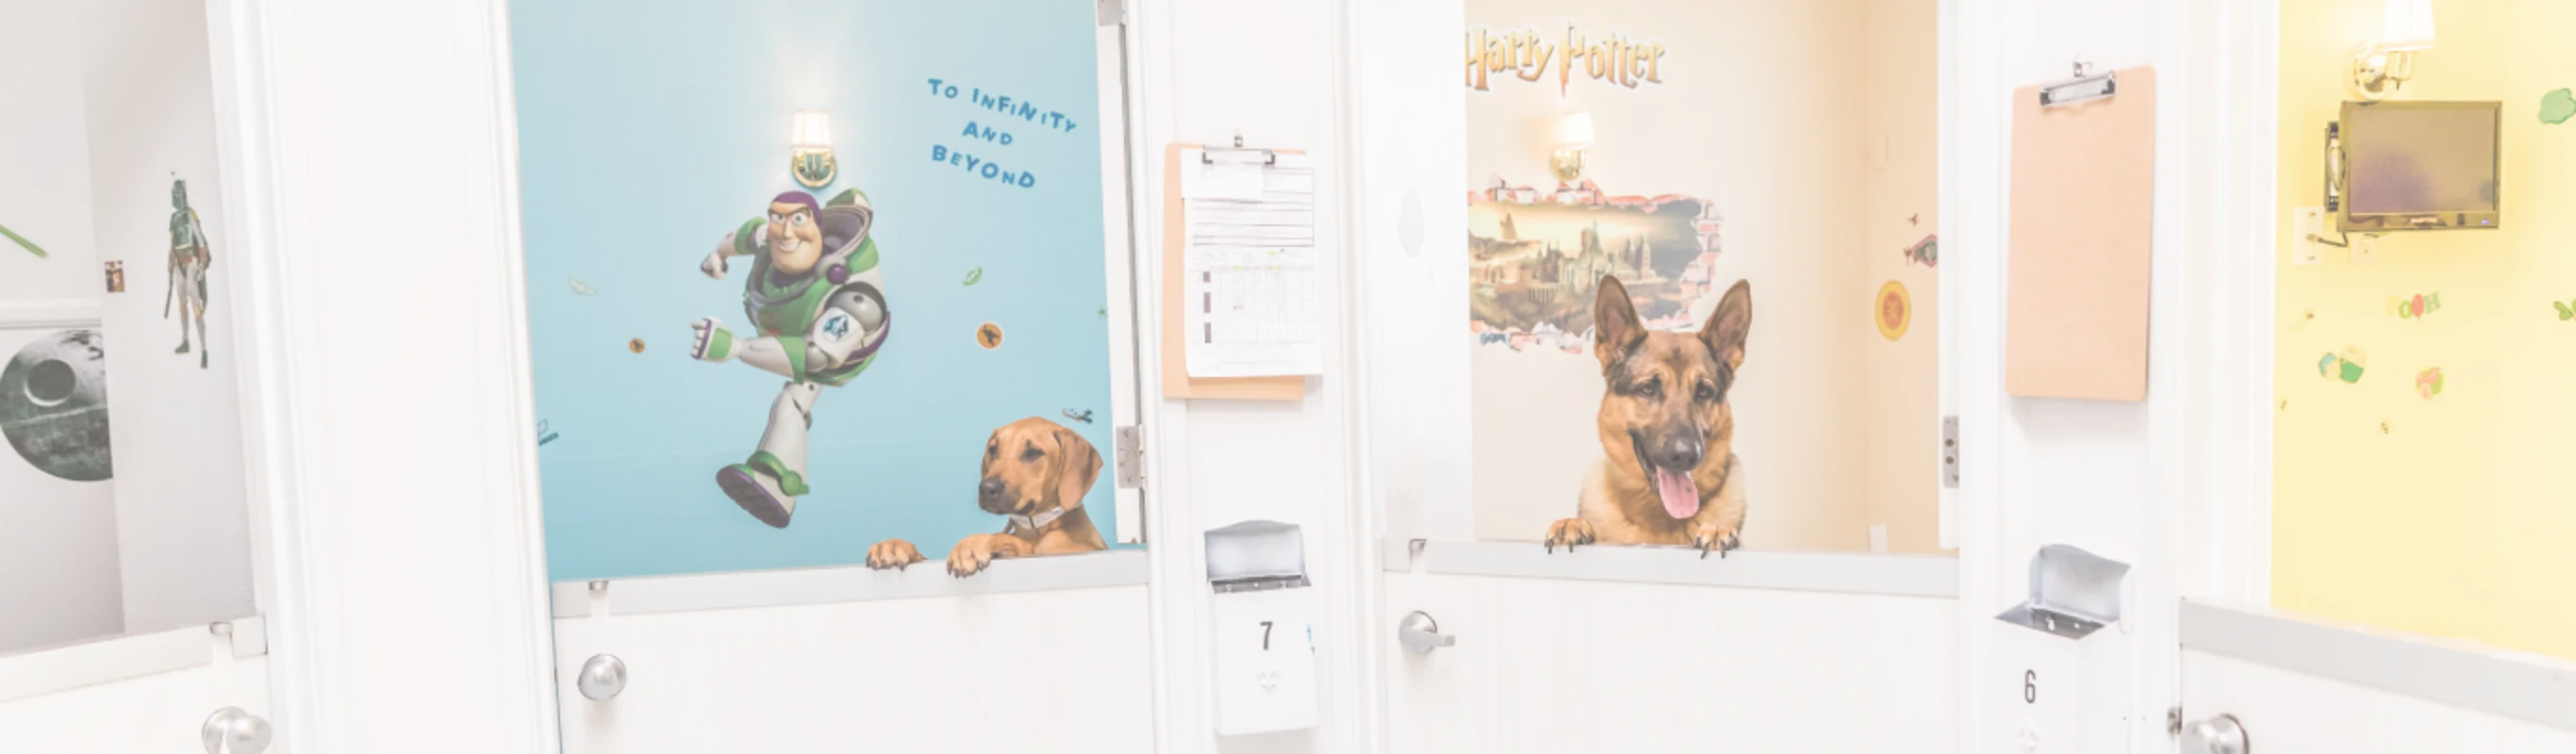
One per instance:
[(647, 131)]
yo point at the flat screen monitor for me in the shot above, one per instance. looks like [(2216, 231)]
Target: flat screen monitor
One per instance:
[(2420, 165)]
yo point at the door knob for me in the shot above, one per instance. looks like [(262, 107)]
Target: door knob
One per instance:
[(2218, 735), (1420, 634), (232, 731), (601, 677)]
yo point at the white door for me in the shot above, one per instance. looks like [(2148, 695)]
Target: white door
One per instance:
[(929, 548), (1813, 644)]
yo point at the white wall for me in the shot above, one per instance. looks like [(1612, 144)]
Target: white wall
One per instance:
[(59, 550), (183, 522), (117, 97), (1269, 71), (44, 156)]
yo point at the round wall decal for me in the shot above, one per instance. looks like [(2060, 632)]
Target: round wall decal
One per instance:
[(1895, 310), (53, 405)]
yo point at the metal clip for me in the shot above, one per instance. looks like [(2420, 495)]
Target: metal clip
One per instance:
[(2086, 85)]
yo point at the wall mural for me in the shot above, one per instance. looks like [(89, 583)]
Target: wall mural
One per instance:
[(1533, 262), (1530, 55), (53, 405), (793, 423)]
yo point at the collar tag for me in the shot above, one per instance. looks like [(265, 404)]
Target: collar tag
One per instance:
[(1031, 523)]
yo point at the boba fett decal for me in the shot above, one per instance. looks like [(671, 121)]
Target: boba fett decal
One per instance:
[(816, 301), (190, 255)]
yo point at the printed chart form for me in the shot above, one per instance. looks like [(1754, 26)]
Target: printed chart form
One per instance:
[(1249, 283)]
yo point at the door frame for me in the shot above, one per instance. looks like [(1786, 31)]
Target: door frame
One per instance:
[(276, 63)]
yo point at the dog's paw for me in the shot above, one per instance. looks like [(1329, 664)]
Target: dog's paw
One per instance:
[(1718, 538), (974, 553), (1568, 532), (893, 553)]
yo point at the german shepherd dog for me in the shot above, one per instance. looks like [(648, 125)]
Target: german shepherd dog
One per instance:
[(1668, 473)]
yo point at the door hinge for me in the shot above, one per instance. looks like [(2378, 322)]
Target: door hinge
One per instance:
[(1112, 12), (2173, 722), (1950, 452), (1131, 457)]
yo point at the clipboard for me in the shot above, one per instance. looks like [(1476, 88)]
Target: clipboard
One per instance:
[(2082, 234), (1177, 382)]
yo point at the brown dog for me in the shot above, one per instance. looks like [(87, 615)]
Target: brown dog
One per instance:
[(1668, 475), (1035, 472)]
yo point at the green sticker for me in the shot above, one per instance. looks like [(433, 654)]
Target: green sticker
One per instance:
[(2556, 107), (975, 276), (23, 243)]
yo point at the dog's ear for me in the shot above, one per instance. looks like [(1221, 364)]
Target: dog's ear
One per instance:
[(1078, 467), (990, 442), (1615, 327), (1727, 326)]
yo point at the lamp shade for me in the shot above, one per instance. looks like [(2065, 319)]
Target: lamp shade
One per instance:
[(2408, 25), (1575, 130), (813, 130)]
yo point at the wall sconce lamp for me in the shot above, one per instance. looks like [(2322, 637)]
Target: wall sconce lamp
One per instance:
[(2380, 67), (1574, 133), (810, 149)]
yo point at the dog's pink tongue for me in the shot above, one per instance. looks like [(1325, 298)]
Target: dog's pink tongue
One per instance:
[(1681, 495)]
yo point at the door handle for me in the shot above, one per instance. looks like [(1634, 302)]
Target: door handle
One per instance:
[(232, 731), (601, 678), (2223, 734), (1420, 634)]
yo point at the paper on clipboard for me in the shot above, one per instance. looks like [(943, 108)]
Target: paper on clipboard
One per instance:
[(1250, 295)]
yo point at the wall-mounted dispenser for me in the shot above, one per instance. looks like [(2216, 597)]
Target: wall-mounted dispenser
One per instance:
[(1261, 628)]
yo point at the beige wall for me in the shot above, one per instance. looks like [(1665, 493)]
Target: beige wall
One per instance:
[(1769, 110), (1904, 376)]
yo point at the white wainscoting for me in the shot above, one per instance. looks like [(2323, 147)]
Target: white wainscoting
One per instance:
[(1043, 671), (1555, 665), (2287, 712), (150, 714)]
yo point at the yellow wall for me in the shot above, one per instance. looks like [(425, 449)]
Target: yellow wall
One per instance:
[(2454, 515)]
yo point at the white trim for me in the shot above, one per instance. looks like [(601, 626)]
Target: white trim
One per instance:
[(42, 313), (1118, 139), (1848, 573), (817, 586), (516, 516), (2247, 575), (2458, 674), (1972, 132), (273, 148), (1179, 714), (247, 150), (55, 670)]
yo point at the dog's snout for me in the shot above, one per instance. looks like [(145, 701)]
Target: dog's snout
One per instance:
[(991, 488), (1680, 452)]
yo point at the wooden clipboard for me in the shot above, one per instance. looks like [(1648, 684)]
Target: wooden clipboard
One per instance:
[(2083, 232), (1177, 382)]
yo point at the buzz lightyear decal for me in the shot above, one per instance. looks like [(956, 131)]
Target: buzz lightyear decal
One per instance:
[(816, 301)]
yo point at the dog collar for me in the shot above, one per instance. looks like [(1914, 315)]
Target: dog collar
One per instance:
[(1031, 523)]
